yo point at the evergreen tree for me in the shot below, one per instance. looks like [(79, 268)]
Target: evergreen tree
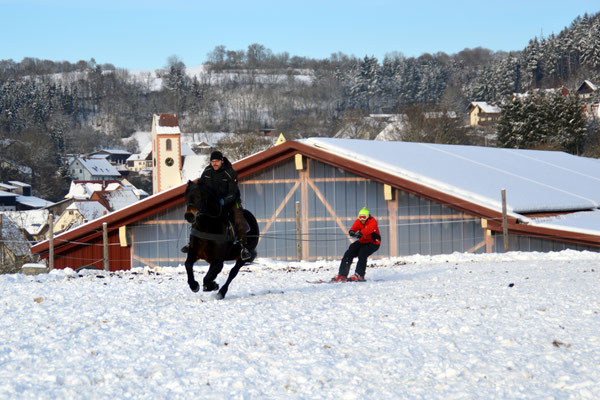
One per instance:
[(552, 121)]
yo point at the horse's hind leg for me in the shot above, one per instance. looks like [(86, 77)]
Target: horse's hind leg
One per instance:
[(209, 279), (232, 274)]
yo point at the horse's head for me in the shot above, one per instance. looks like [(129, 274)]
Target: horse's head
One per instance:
[(200, 200)]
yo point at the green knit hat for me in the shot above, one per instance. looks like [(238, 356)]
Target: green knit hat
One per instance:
[(364, 211)]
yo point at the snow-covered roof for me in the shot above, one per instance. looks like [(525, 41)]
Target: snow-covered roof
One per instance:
[(136, 157), (34, 202), (6, 187), (584, 221), (166, 124), (590, 85), (4, 193), (14, 239), (21, 184), (84, 190), (186, 150), (90, 210), (33, 221), (112, 151), (486, 107), (99, 166), (535, 181), (118, 199), (193, 166), (81, 191)]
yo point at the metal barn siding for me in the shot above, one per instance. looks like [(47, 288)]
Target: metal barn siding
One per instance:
[(527, 243), (158, 239), (329, 199), (427, 227)]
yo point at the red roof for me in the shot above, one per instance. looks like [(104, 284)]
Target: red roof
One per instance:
[(168, 120)]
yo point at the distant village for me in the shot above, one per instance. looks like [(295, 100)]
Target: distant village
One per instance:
[(100, 179)]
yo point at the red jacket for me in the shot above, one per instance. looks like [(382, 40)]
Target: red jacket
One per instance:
[(367, 230)]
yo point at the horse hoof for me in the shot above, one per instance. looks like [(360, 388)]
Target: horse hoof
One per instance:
[(195, 286), (209, 287), (219, 296)]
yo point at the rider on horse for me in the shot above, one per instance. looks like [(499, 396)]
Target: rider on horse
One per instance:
[(222, 179)]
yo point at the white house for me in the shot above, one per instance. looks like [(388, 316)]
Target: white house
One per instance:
[(93, 169)]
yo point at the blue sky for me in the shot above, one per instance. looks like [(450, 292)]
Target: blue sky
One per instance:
[(143, 34)]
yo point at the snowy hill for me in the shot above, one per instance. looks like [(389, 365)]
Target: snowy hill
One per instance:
[(517, 325), (153, 81)]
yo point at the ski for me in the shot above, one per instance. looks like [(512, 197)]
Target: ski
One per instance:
[(322, 281)]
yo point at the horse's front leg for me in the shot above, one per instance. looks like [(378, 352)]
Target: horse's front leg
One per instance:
[(232, 274), (189, 267), (209, 279)]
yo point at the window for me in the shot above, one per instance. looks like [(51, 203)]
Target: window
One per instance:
[(169, 145)]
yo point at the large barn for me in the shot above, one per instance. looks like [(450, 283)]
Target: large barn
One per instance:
[(427, 198)]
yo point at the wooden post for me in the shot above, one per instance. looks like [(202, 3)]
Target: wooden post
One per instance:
[(1, 245), (504, 221), (105, 246), (298, 233), (51, 242)]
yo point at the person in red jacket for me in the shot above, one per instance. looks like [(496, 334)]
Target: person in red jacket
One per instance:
[(365, 229)]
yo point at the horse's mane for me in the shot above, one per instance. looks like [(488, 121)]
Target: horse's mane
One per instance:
[(204, 198)]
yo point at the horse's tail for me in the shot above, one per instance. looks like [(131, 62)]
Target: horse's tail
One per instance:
[(253, 234)]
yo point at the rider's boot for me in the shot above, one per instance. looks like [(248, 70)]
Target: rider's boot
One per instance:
[(244, 252)]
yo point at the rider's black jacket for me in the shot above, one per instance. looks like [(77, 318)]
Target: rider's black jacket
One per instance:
[(223, 181)]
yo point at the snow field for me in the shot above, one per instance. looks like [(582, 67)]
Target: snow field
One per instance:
[(519, 325)]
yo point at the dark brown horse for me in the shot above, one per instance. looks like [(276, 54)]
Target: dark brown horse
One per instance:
[(212, 238)]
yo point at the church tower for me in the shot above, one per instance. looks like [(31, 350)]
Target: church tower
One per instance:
[(166, 152)]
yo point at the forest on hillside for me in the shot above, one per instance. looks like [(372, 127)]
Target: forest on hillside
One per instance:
[(51, 109)]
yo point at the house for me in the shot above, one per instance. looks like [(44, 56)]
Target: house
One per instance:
[(586, 90), (17, 196), (483, 114), (83, 190), (14, 246), (115, 199), (141, 161), (427, 198), (8, 200), (93, 169), (33, 222), (114, 156), (24, 189), (78, 213)]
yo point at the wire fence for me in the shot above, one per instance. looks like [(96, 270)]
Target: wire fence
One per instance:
[(11, 262)]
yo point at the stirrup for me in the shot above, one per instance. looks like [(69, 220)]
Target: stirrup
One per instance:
[(245, 254)]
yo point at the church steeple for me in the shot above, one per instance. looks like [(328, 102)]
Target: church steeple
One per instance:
[(166, 152)]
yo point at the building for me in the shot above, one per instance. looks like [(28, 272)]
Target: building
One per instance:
[(79, 212), (16, 196), (114, 156), (427, 198), (586, 90), (142, 161), (483, 114), (93, 169), (166, 152)]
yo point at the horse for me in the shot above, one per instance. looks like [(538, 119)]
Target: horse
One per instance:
[(212, 238)]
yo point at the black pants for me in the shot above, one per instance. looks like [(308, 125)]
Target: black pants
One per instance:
[(236, 214), (360, 250)]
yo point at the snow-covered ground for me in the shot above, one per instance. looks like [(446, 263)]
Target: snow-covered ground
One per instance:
[(511, 326)]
